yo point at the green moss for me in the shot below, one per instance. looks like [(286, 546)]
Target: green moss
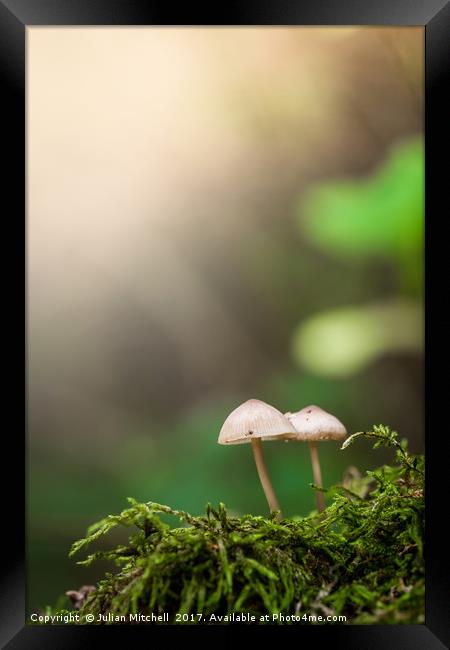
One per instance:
[(362, 558)]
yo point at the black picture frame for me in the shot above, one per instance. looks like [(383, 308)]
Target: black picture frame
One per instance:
[(15, 17)]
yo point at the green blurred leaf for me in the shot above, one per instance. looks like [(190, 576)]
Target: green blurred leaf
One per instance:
[(382, 214), (342, 341)]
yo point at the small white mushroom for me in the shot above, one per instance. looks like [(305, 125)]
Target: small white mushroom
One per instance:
[(252, 422), (312, 424)]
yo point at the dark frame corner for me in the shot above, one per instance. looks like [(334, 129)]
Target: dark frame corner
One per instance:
[(15, 16)]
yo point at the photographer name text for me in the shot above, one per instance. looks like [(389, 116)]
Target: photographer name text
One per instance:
[(63, 619)]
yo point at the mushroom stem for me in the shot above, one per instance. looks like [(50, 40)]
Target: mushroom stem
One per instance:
[(264, 476), (317, 474)]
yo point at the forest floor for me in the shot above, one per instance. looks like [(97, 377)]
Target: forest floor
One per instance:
[(362, 558)]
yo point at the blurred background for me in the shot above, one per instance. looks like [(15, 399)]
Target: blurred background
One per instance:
[(214, 215)]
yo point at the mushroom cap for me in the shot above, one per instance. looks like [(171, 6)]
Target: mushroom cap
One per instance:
[(313, 423), (255, 419)]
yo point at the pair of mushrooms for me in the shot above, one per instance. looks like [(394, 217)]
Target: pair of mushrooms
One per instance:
[(255, 421)]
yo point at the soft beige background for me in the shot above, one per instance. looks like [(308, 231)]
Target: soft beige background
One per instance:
[(151, 153)]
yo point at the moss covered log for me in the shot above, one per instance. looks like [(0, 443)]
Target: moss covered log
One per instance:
[(362, 558)]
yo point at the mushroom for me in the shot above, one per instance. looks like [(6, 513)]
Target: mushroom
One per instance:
[(78, 598), (255, 421), (312, 424)]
